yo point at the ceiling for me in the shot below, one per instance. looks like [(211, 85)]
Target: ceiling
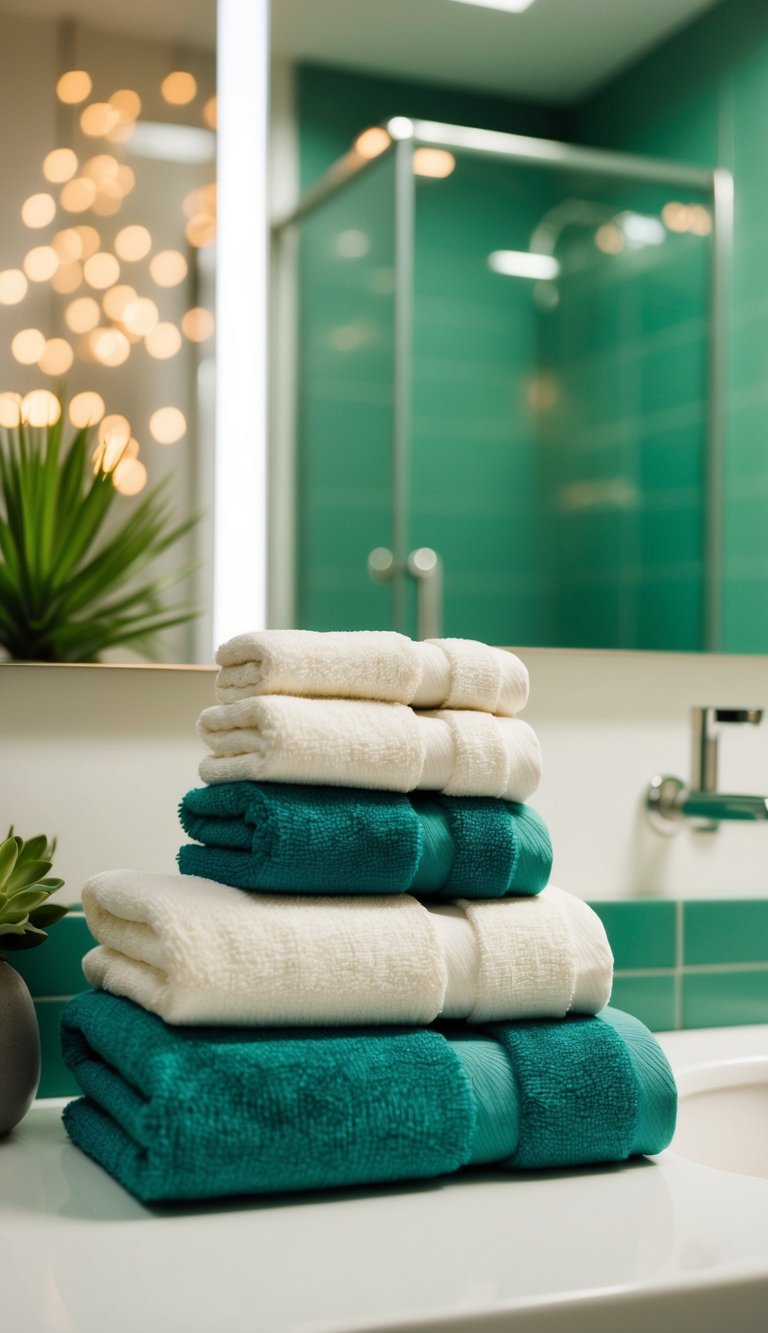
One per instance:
[(556, 51)]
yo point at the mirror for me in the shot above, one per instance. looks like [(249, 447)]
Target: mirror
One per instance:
[(107, 277), (652, 489), (339, 67)]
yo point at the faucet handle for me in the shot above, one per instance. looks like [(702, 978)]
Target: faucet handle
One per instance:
[(753, 715), (705, 731)]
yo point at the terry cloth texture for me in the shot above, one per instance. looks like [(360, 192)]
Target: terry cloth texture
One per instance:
[(194, 951), (193, 1113), (372, 664), (282, 837), (356, 743)]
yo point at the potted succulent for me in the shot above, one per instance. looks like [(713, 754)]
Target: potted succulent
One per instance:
[(25, 912)]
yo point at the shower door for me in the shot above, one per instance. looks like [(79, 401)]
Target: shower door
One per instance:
[(504, 426)]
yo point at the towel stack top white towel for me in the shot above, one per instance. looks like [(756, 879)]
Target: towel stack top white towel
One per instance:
[(372, 664), (195, 951)]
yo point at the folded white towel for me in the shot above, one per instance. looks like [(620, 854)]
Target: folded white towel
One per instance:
[(372, 664), (195, 951), (360, 743)]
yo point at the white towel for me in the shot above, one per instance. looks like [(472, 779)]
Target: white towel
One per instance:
[(360, 743), (372, 664), (195, 951)]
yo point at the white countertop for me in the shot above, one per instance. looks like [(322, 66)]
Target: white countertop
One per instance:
[(644, 1245)]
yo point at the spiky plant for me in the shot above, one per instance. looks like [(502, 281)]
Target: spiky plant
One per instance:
[(63, 573), (25, 888)]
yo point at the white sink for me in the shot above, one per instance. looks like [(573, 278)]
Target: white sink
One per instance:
[(723, 1115)]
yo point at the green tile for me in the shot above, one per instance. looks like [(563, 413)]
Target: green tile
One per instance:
[(651, 999), (725, 999), (54, 968), (730, 931), (641, 934), (55, 1078), (745, 618)]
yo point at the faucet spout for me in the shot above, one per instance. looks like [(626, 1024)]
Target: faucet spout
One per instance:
[(717, 806), (671, 803)]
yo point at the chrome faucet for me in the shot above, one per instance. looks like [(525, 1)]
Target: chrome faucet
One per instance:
[(670, 802)]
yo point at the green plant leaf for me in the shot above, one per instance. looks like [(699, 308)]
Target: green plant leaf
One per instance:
[(29, 939), (33, 849), (26, 900), (8, 854), (25, 873), (48, 914)]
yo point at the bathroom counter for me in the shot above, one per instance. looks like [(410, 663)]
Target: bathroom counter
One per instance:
[(656, 1243)]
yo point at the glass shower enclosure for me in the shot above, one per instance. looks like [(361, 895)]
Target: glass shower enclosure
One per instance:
[(497, 410)]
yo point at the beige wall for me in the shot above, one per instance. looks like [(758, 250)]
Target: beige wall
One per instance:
[(101, 756)]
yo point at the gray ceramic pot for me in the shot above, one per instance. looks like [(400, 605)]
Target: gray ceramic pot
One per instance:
[(19, 1048)]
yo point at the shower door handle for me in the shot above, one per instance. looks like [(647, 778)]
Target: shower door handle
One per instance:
[(426, 568)]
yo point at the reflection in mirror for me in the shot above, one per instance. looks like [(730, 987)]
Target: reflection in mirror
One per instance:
[(474, 378), (640, 480), (107, 271)]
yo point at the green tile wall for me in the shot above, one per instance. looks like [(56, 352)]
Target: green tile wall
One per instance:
[(702, 97), (692, 964), (528, 422)]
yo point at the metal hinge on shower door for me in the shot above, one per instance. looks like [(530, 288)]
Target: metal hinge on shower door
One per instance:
[(425, 567)]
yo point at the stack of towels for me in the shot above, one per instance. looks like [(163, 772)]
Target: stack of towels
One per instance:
[(362, 973)]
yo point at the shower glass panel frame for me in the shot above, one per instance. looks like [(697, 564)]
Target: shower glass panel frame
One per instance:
[(398, 565)]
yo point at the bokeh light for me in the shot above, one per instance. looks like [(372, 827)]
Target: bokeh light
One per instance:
[(179, 88), (197, 324), (200, 200), (28, 346), (67, 244), (210, 113), (10, 409), (201, 230), (98, 119), (435, 162), (110, 347), (372, 142), (38, 210), (86, 409), (168, 268), (101, 270), (167, 425), (40, 263), (78, 194), (67, 278), (82, 315), (89, 240), (40, 408), (60, 165), (127, 102), (140, 316), (163, 341), (130, 476), (57, 357), (133, 243), (116, 299), (114, 434), (74, 86), (13, 286), (101, 167)]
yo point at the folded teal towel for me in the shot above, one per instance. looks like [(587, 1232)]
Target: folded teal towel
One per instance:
[(192, 1113), (275, 836)]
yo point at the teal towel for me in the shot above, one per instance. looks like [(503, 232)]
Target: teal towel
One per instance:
[(193, 1113), (299, 839)]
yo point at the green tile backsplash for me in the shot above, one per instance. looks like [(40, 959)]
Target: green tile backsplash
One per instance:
[(722, 978)]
